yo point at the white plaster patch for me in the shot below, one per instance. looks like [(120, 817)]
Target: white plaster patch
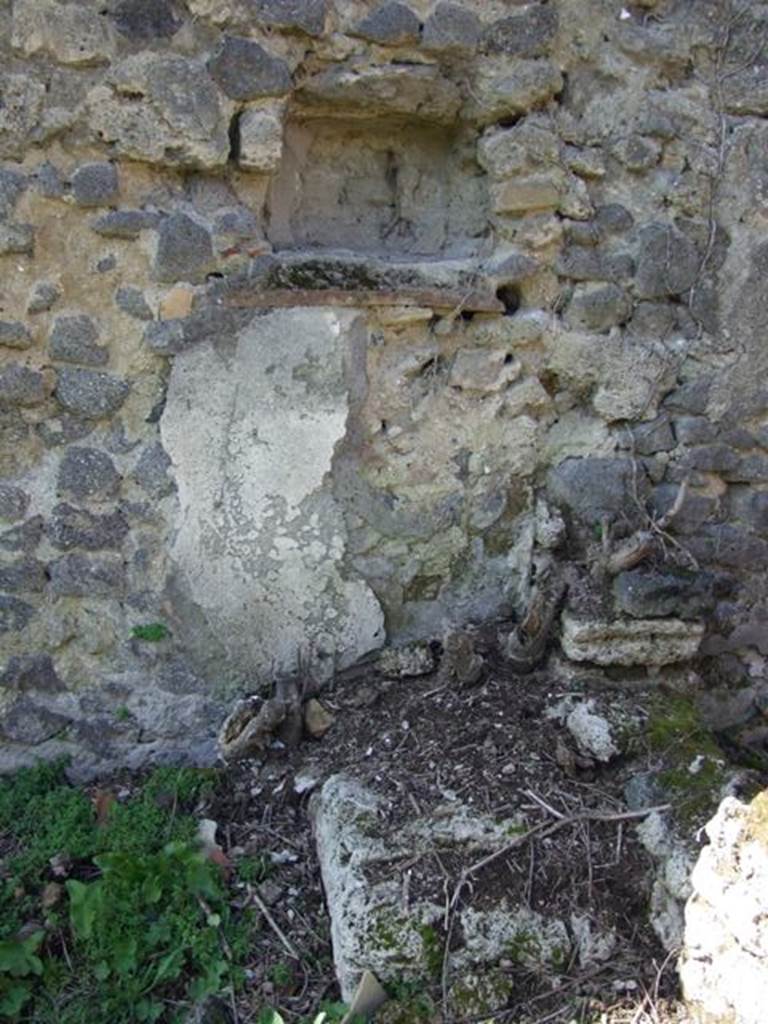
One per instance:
[(251, 425)]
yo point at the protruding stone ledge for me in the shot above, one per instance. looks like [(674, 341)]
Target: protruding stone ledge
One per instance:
[(345, 279)]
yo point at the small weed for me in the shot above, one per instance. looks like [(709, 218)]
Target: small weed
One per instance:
[(122, 714), (254, 869), (281, 975), (409, 1002), (151, 632)]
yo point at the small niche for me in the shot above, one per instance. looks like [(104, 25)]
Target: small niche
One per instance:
[(384, 188)]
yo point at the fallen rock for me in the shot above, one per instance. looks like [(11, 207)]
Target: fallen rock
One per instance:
[(410, 660), (592, 732), (639, 642), (317, 720)]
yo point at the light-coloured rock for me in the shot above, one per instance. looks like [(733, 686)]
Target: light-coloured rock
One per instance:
[(626, 377), (636, 642), (416, 90), (21, 111), (722, 968), (538, 943), (505, 88), (592, 732), (407, 661), (520, 195), (70, 33), (261, 139), (482, 369), (177, 302), (260, 536), (371, 930), (317, 719), (671, 886), (594, 946), (531, 143), (163, 109)]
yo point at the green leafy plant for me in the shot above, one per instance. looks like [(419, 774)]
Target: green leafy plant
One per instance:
[(151, 632), (18, 960), (142, 926)]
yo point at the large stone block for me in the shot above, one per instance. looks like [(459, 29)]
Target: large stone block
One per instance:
[(722, 968), (635, 642), (14, 334), (419, 91), (12, 184), (71, 527), (20, 385), (667, 262), (70, 33), (184, 249), (95, 184), (592, 488), (74, 339), (31, 672), (163, 109), (77, 575), (686, 594), (451, 27), (87, 473), (13, 502), (252, 423), (146, 20), (506, 89), (16, 238), (261, 139)]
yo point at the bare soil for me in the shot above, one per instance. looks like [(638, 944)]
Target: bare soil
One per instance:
[(421, 742)]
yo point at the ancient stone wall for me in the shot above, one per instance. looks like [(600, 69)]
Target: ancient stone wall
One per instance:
[(328, 323)]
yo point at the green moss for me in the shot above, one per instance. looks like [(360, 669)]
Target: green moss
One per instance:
[(318, 275), (675, 722), (151, 632), (559, 958), (431, 950), (676, 732), (423, 588), (523, 946), (475, 996)]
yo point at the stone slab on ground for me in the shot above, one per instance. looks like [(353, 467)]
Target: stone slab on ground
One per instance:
[(375, 927)]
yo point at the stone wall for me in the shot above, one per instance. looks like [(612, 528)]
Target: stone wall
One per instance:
[(316, 316)]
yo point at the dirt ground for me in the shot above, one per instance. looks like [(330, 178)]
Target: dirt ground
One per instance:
[(420, 741)]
